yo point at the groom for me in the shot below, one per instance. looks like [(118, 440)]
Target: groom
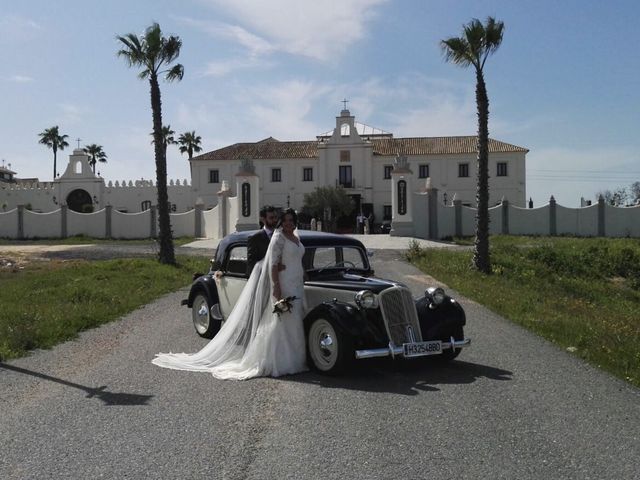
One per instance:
[(259, 242)]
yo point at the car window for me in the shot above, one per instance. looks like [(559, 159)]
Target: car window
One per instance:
[(237, 260), (336, 257), (354, 256)]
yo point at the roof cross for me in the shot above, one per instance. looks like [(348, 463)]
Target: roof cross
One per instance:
[(78, 140), (345, 101)]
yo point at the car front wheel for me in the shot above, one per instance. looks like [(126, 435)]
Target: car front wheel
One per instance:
[(203, 322), (329, 351)]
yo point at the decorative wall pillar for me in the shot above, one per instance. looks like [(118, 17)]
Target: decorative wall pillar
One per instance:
[(401, 198), (20, 222), (63, 221), (505, 216), (553, 225), (457, 206), (108, 210), (601, 214), (153, 230), (198, 209), (432, 208), (223, 205), (247, 186)]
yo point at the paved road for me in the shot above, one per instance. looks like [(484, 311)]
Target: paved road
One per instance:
[(512, 406)]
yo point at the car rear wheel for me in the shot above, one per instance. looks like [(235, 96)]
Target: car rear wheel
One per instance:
[(206, 326), (329, 351)]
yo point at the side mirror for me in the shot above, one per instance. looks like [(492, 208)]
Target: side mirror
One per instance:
[(369, 253)]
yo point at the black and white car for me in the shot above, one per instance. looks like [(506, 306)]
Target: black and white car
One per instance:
[(352, 314)]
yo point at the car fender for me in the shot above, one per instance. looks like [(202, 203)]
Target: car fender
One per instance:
[(348, 318), (206, 283), (442, 321)]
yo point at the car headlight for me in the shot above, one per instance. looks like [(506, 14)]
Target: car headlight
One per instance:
[(436, 295), (366, 299)]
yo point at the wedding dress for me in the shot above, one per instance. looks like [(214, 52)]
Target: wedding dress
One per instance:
[(254, 341)]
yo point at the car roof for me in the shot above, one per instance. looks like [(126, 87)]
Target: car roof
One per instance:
[(309, 238)]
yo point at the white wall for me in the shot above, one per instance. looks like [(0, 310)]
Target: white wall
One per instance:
[(9, 224), (131, 225), (89, 224), (183, 224), (531, 221), (42, 225)]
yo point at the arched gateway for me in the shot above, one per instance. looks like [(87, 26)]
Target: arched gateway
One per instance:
[(80, 201)]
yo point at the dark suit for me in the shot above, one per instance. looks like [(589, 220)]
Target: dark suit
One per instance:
[(256, 248)]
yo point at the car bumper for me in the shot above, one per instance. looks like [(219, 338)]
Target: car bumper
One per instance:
[(394, 351)]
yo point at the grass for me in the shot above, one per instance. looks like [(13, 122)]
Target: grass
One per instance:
[(83, 240), (50, 302), (581, 294)]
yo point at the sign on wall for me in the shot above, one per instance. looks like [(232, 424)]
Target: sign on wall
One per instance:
[(246, 199), (402, 197)]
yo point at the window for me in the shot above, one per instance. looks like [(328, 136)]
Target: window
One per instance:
[(386, 212), (387, 171), (146, 205), (214, 176), (237, 261), (345, 155), (345, 130), (307, 174), (334, 257), (345, 179), (502, 169), (463, 169), (423, 171), (276, 174)]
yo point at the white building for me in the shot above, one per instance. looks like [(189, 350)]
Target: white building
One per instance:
[(360, 158), (356, 156)]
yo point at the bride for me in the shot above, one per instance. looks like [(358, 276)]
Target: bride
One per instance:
[(254, 341)]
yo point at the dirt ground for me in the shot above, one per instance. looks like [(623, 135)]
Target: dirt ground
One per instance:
[(17, 257)]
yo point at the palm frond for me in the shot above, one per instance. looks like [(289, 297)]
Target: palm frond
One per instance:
[(175, 73)]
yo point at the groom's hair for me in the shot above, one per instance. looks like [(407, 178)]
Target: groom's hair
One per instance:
[(266, 209)]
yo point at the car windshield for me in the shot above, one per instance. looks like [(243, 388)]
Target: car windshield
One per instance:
[(342, 257)]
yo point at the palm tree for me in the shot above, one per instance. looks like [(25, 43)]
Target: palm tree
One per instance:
[(51, 138), (97, 155), (154, 54), (190, 143), (477, 42), (167, 138)]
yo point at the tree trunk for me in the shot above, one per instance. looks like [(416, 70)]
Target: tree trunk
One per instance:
[(54, 163), (481, 259), (165, 239)]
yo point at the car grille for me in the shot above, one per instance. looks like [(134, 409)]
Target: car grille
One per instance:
[(400, 316)]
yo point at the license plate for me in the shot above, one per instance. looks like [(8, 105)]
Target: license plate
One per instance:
[(420, 349)]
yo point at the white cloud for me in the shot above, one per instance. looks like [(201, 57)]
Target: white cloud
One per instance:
[(71, 114), (225, 67), (20, 79), (319, 29), (17, 29), (254, 43)]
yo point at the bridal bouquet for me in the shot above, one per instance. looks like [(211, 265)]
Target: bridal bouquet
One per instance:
[(283, 305)]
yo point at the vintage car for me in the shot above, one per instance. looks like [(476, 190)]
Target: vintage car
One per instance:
[(352, 314)]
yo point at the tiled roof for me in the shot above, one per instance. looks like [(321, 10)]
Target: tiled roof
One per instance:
[(438, 146), (270, 148)]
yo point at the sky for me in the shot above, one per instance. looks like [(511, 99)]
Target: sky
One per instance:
[(564, 83)]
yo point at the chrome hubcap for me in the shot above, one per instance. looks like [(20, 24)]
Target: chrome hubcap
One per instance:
[(200, 314), (323, 345)]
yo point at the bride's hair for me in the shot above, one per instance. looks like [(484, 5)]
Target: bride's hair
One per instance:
[(288, 211)]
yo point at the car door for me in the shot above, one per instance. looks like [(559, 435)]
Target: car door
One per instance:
[(233, 279)]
